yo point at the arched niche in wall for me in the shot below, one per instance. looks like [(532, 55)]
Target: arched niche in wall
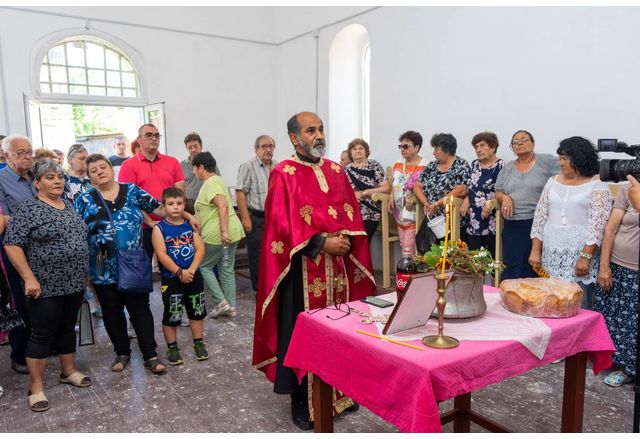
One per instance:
[(349, 89)]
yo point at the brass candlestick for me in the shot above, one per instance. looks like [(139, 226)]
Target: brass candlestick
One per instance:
[(440, 341)]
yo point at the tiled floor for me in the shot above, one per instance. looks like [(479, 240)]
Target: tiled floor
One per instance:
[(224, 394)]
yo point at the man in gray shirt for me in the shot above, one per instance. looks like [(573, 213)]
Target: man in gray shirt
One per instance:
[(16, 186), (193, 143), (251, 192)]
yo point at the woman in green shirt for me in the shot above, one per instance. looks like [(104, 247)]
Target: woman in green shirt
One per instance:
[(221, 232)]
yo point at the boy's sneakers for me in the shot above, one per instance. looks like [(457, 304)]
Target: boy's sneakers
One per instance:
[(173, 356), (617, 378), (219, 309), (200, 351)]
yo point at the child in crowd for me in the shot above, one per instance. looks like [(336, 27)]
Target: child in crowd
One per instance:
[(180, 251)]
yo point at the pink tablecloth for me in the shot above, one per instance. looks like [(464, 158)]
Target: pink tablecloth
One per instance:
[(403, 385)]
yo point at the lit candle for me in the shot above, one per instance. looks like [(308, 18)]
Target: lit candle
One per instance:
[(446, 236)]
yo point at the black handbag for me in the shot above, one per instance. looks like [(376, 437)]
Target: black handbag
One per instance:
[(134, 266), (425, 238), (9, 317)]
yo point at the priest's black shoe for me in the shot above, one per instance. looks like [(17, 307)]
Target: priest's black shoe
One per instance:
[(353, 408), (300, 414)]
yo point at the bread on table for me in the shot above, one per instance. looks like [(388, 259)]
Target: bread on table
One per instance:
[(538, 297)]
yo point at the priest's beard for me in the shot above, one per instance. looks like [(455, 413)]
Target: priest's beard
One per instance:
[(314, 151)]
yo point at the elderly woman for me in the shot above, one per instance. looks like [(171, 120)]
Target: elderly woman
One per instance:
[(570, 218), (76, 180), (126, 203), (46, 242), (481, 224), (367, 178), (221, 233), (518, 189), (404, 174), (447, 175), (616, 295)]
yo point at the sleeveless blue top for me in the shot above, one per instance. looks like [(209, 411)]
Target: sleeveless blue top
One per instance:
[(178, 240)]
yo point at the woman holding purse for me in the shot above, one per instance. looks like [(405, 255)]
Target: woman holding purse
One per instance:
[(119, 229)]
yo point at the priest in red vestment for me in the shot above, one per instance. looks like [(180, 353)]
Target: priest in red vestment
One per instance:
[(314, 253)]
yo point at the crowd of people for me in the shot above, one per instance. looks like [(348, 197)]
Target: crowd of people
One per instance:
[(301, 217)]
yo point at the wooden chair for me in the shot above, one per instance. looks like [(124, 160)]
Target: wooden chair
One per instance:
[(389, 235), (495, 205)]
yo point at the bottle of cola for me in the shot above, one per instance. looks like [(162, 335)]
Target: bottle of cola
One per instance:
[(406, 267)]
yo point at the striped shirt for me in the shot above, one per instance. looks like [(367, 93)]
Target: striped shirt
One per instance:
[(253, 180)]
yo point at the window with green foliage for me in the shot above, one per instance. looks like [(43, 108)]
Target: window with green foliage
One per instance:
[(88, 66)]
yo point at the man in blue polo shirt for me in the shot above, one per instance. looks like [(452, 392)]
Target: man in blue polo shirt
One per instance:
[(16, 185)]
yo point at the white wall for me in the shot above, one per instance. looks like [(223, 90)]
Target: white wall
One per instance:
[(554, 71), (223, 89)]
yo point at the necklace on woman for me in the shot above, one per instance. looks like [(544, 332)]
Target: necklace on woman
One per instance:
[(57, 203)]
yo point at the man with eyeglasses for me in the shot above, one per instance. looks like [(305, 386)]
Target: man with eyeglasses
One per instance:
[(251, 192), (193, 143), (315, 254), (153, 172), (16, 186)]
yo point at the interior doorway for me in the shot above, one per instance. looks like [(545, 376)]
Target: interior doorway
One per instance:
[(58, 126)]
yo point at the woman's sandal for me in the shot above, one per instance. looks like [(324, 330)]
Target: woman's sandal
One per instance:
[(38, 402), (121, 360), (154, 365), (76, 378)]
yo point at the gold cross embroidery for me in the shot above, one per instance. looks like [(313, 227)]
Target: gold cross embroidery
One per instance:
[(305, 213), (277, 247), (336, 167), (339, 282), (349, 210), (289, 169), (332, 212), (317, 287)]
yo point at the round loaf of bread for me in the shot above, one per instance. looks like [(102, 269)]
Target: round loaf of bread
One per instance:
[(539, 297)]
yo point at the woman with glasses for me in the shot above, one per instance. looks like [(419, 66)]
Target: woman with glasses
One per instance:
[(481, 222), (447, 175), (404, 174), (518, 190), (367, 178)]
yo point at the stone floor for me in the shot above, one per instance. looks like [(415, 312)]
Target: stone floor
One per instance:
[(225, 394)]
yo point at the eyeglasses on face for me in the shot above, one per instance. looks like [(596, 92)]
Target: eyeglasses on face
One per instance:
[(152, 136), (520, 141), (405, 146), (268, 146), (24, 153)]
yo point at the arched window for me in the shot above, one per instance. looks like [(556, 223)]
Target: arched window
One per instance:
[(349, 87), (86, 65)]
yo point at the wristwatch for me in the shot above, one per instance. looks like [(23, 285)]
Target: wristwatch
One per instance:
[(586, 255)]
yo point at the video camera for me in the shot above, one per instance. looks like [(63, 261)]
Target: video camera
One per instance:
[(617, 170)]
